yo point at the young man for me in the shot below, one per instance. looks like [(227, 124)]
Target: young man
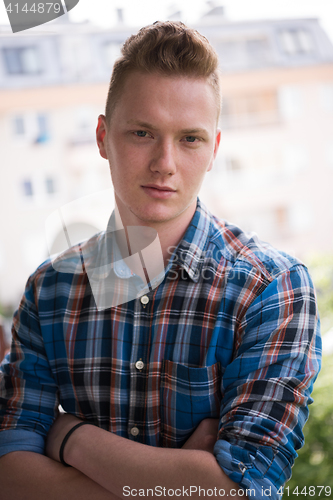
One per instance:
[(200, 385)]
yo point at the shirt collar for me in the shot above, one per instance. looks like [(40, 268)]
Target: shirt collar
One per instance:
[(190, 253), (107, 256)]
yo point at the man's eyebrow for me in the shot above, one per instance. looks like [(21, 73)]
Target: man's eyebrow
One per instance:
[(139, 123), (194, 131), (152, 127)]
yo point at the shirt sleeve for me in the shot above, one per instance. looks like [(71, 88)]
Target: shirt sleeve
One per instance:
[(20, 440), (266, 388), (28, 392)]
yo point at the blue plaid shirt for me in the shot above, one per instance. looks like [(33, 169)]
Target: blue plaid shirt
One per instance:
[(231, 332)]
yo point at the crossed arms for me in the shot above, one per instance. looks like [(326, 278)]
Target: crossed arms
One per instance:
[(265, 389), (103, 463)]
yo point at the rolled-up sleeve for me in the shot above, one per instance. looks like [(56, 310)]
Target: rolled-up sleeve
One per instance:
[(267, 386), (28, 393), (20, 440)]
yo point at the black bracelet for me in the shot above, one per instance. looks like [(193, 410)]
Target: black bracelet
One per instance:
[(62, 447)]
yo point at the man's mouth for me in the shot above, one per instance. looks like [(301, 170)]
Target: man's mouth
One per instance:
[(158, 191), (158, 187)]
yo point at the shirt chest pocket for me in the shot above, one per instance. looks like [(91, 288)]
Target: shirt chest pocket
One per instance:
[(188, 395)]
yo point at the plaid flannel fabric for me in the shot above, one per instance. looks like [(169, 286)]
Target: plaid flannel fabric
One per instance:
[(232, 332)]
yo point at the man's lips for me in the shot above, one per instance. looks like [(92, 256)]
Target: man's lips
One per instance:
[(160, 188), (156, 191)]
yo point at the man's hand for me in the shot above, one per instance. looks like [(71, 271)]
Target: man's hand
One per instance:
[(58, 431), (204, 437)]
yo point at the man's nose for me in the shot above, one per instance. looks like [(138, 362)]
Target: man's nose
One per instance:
[(164, 158)]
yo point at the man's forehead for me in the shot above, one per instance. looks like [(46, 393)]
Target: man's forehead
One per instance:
[(151, 98)]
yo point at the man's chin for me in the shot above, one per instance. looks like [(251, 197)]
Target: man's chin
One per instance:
[(163, 215), (155, 218)]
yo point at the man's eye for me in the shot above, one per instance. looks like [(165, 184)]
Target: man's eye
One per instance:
[(190, 138), (141, 133)]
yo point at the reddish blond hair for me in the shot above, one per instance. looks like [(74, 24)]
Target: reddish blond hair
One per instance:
[(168, 48)]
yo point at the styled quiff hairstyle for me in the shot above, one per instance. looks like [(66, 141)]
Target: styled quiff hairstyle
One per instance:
[(167, 48)]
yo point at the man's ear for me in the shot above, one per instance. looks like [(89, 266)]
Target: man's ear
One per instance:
[(101, 135), (217, 141), (216, 148)]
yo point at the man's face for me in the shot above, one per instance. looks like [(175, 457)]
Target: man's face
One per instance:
[(160, 142)]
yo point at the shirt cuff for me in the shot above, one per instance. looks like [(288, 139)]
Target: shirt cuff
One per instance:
[(20, 440), (261, 471)]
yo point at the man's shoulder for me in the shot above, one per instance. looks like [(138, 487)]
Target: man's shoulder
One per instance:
[(245, 251), (68, 263)]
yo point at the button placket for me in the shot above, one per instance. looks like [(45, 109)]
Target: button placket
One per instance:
[(135, 431), (144, 300), (139, 365)]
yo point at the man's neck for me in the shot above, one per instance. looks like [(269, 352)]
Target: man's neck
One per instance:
[(170, 233)]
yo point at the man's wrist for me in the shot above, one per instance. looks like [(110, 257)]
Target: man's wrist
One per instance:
[(65, 441), (74, 446)]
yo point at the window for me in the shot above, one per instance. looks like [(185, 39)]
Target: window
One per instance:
[(295, 41), (254, 109), (22, 60), (257, 49), (27, 188), (242, 52), (232, 53), (38, 189), (31, 127), (84, 125), (85, 119), (50, 186), (18, 125), (42, 128)]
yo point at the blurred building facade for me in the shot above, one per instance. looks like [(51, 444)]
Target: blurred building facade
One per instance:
[(274, 171)]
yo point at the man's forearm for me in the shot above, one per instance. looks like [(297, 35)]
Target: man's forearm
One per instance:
[(29, 476), (115, 462)]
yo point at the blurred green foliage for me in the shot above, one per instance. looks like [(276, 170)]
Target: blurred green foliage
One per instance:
[(6, 311), (314, 465), (321, 269)]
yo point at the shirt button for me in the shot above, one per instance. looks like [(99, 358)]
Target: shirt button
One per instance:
[(134, 431), (139, 365), (242, 467), (144, 300)]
